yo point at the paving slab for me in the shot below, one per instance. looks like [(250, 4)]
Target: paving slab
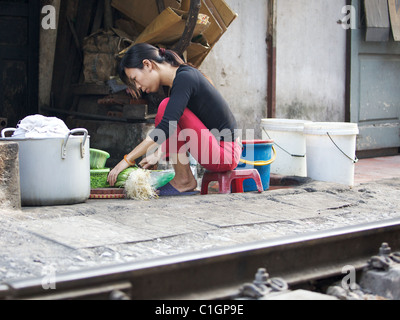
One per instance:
[(104, 232), (83, 232)]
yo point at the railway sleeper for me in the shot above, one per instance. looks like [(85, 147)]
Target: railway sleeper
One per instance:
[(379, 280), (382, 275)]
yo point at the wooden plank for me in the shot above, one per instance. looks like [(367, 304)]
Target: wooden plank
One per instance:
[(108, 19), (142, 11), (394, 10), (137, 112), (215, 31), (191, 23), (68, 65), (64, 53), (160, 5), (377, 18), (226, 13), (33, 58), (215, 13), (98, 18), (89, 89)]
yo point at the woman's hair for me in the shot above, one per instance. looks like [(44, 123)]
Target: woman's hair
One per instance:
[(134, 57)]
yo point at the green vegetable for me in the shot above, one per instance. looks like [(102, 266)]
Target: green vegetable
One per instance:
[(98, 178), (157, 178), (123, 176)]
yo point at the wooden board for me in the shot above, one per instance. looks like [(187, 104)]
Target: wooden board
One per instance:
[(137, 112), (394, 10), (377, 18), (107, 193), (107, 196), (68, 63), (142, 11)]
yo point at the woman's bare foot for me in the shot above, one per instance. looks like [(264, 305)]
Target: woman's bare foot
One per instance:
[(184, 186), (184, 180)]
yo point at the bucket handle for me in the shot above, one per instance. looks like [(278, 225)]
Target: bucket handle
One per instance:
[(72, 132), (260, 163), (4, 131), (290, 154), (350, 158)]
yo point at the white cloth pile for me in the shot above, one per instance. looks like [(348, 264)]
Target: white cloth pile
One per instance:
[(38, 126)]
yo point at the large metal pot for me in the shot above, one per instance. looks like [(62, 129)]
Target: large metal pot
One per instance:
[(54, 171)]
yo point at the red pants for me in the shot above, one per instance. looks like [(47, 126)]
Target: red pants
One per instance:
[(194, 137)]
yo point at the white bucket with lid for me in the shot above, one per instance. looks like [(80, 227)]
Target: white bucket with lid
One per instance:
[(331, 151), (290, 145)]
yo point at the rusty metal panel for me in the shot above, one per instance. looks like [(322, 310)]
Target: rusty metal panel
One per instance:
[(379, 101), (379, 87)]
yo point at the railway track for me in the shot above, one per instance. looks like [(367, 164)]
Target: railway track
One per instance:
[(219, 274)]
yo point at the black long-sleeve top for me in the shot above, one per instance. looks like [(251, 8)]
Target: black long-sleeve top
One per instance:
[(191, 89)]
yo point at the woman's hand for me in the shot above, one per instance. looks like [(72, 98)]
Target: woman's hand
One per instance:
[(138, 152), (150, 162), (113, 175)]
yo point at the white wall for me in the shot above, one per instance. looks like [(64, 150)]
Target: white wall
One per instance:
[(311, 60), (238, 63)]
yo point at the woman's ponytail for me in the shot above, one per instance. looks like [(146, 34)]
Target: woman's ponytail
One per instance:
[(171, 57)]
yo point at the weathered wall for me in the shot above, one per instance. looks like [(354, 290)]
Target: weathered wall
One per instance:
[(311, 60), (238, 63), (116, 138)]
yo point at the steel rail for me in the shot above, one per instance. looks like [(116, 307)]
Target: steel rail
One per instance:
[(219, 273)]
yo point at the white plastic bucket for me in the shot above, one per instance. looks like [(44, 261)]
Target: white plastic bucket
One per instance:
[(331, 148), (290, 145)]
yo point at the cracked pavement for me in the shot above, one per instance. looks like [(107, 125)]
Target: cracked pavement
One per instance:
[(105, 232)]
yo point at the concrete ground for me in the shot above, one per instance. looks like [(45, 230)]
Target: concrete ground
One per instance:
[(104, 232)]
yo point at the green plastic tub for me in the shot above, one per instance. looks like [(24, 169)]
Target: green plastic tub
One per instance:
[(98, 158)]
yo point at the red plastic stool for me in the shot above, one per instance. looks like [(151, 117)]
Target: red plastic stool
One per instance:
[(233, 179)]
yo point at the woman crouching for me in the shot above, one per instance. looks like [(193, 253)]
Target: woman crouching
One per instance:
[(195, 119)]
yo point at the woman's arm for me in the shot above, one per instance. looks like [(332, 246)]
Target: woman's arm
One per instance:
[(136, 153)]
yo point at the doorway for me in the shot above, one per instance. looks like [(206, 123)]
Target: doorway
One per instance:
[(19, 56), (374, 90)]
